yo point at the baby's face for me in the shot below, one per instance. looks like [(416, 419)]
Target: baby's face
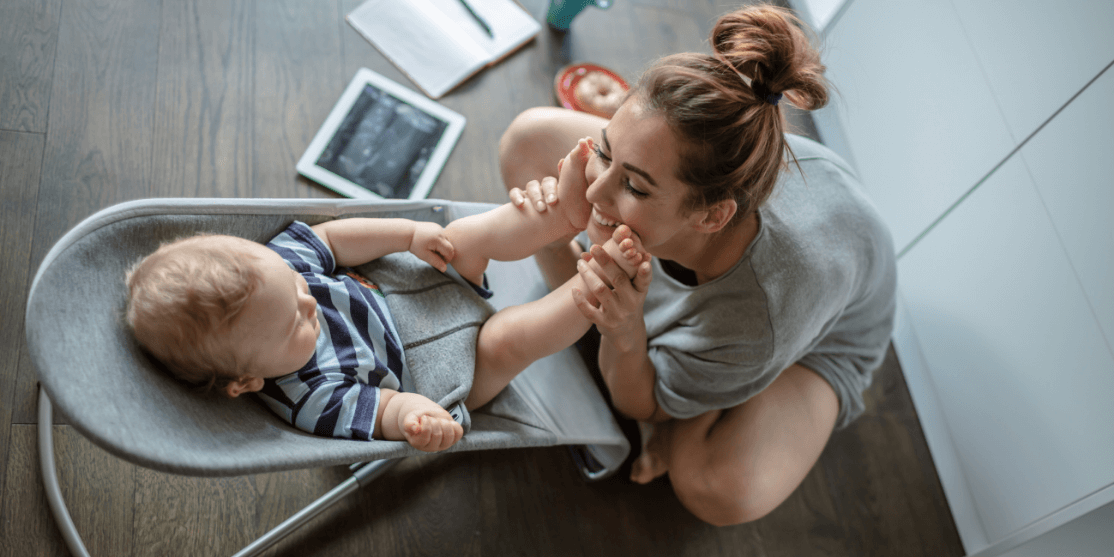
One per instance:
[(277, 329)]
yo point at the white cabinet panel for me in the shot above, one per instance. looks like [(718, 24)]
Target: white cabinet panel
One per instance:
[(1072, 163), (1037, 54), (1088, 536), (917, 113), (1025, 380)]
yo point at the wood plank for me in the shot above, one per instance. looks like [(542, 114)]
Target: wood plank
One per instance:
[(20, 160), (203, 140), (96, 486), (178, 515), (98, 147), (807, 523), (28, 38), (26, 525), (883, 483), (298, 78)]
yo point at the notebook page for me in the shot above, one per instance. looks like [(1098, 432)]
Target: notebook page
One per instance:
[(511, 25), (421, 40)]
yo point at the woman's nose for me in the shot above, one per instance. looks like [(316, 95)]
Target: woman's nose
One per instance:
[(597, 190)]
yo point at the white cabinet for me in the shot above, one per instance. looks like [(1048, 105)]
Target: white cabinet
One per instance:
[(984, 132), (908, 93), (1072, 163), (1037, 54), (1023, 376)]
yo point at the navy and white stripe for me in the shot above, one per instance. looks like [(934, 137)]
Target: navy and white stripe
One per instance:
[(358, 351)]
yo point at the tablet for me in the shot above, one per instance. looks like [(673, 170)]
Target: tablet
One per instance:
[(381, 140)]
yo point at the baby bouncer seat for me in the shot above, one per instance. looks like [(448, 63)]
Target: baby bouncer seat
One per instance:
[(91, 369)]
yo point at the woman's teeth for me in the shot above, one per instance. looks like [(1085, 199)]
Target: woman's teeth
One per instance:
[(602, 221)]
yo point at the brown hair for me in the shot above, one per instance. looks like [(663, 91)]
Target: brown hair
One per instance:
[(182, 301), (733, 130)]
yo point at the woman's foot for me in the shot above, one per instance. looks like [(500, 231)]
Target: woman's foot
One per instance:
[(651, 464)]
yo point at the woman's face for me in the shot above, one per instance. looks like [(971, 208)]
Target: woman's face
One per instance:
[(632, 180)]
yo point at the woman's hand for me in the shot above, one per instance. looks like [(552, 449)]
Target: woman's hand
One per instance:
[(615, 278), (431, 245), (535, 191)]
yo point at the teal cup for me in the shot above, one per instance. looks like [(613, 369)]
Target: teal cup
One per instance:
[(561, 12)]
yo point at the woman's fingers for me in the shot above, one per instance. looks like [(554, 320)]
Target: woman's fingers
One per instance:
[(643, 277), (596, 285), (609, 267), (518, 197), (537, 191), (548, 190)]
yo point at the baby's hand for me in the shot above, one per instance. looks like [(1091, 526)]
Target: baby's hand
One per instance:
[(428, 427), (431, 245)]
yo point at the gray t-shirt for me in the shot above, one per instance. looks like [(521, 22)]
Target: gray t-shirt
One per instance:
[(815, 287)]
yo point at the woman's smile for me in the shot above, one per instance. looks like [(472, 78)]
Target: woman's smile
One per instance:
[(603, 220)]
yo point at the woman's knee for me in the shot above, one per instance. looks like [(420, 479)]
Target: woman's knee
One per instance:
[(724, 496), (537, 138)]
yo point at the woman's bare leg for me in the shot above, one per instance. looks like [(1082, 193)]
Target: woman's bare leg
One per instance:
[(529, 150), (737, 465)]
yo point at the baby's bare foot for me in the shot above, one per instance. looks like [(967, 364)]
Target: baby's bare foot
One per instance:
[(624, 248), (630, 247), (572, 186)]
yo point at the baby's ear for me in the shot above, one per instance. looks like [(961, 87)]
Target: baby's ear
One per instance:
[(245, 384)]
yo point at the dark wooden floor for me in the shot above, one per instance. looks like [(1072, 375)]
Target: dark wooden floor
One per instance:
[(103, 101)]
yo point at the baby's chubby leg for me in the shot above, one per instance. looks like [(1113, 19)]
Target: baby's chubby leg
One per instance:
[(417, 420), (508, 233)]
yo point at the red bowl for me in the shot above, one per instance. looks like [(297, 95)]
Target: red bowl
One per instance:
[(567, 79)]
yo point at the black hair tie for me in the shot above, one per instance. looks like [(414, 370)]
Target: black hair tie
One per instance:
[(763, 92)]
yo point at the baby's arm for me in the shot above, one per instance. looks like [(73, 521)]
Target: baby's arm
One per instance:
[(507, 233), (417, 420), (356, 241)]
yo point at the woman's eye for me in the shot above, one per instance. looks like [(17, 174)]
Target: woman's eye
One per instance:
[(633, 191), (627, 185), (599, 153)]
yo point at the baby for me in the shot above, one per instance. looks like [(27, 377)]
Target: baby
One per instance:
[(317, 342)]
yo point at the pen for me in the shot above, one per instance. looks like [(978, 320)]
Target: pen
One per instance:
[(480, 20)]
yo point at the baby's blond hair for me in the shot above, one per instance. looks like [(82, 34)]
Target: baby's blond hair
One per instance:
[(182, 302)]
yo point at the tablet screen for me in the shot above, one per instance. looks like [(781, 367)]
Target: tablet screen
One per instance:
[(383, 144), (381, 140)]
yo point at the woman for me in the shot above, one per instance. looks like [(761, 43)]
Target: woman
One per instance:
[(771, 294)]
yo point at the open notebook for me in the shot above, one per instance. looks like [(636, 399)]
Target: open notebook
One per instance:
[(437, 43)]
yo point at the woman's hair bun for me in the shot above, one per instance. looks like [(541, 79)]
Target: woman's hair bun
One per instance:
[(769, 46)]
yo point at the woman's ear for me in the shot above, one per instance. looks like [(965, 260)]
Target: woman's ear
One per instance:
[(715, 218), (245, 384)]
